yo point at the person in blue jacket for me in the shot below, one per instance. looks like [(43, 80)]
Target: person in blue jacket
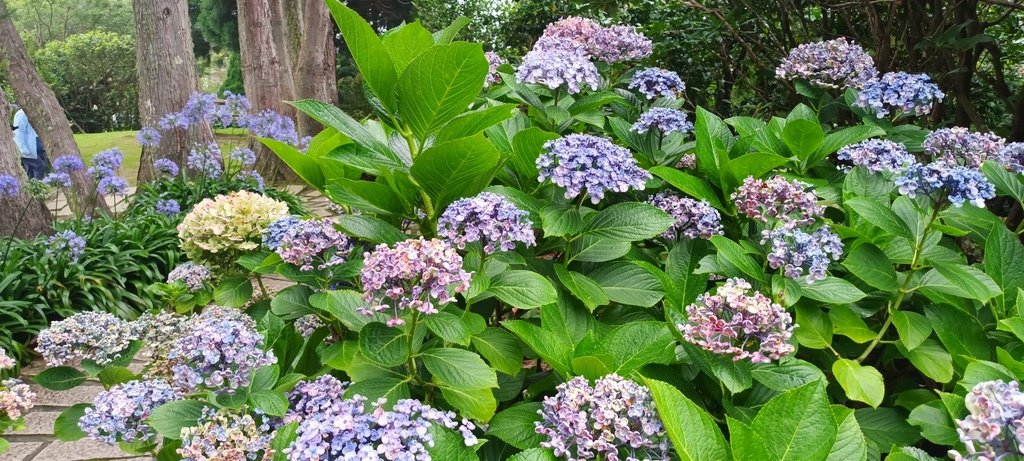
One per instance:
[(33, 155)]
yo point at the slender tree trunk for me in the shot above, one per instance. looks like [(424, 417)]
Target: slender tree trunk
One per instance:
[(315, 76), (42, 108), (24, 217), (166, 68)]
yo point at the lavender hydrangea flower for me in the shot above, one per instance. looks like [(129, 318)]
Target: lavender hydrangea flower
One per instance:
[(663, 119), (776, 199), (275, 232), (795, 250), (223, 435), (734, 322), (694, 218), (1012, 157), (119, 414), (97, 336), (16, 399), (570, 33), (166, 168), (220, 353), (493, 62), (206, 160), (6, 362), (243, 155), (994, 429), (307, 324), (687, 162), (168, 207), (614, 419), (582, 163), (960, 184), (57, 180), (654, 82), (112, 185), (487, 218), (193, 276), (877, 155), (556, 67), (148, 137), (416, 274), (959, 146), (828, 64), (912, 94), (272, 125), (314, 241), (315, 398), (620, 43), (66, 243), (68, 164), (9, 186)]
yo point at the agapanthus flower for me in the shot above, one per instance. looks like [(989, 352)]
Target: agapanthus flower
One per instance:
[(219, 353), (119, 414), (148, 137), (654, 82), (276, 230), (243, 155), (96, 336), (272, 125), (663, 119), (199, 108), (570, 33), (581, 163), (313, 398), (66, 243), (252, 177), (960, 184), (6, 362), (737, 323), (911, 94), (620, 43), (169, 207), (1012, 157), (307, 324), (614, 419), (68, 164), (9, 186), (227, 436), (236, 107), (314, 244), (994, 429), (206, 160), (351, 429), (828, 64), (960, 146), (110, 159), (16, 399), (556, 67), (775, 199), (489, 219), (165, 167), (112, 185), (193, 276), (416, 274), (173, 121), (57, 180), (493, 62), (877, 155), (694, 218), (795, 250)]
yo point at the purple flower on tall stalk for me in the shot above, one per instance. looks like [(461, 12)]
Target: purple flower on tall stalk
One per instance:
[(16, 399), (110, 159), (97, 336), (960, 146), (828, 64), (199, 108), (775, 199), (877, 155), (581, 163), (165, 167), (614, 419), (219, 353), (193, 276), (960, 184), (58, 180), (694, 218), (148, 137), (173, 121), (272, 125), (314, 243), (663, 119), (225, 435), (416, 275), (167, 207), (206, 160), (313, 398), (994, 429), (654, 82), (487, 218), (275, 232), (119, 414), (1012, 157), (620, 43), (112, 185), (9, 186), (737, 323), (493, 62), (243, 155), (66, 243), (253, 178), (68, 164), (795, 250), (912, 94), (558, 67), (236, 108)]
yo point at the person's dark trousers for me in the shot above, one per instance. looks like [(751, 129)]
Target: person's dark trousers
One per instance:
[(35, 168)]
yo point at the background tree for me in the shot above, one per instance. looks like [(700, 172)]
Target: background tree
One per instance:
[(37, 219), (313, 56), (44, 21)]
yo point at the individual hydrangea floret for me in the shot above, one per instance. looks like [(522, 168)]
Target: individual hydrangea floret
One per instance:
[(581, 163), (1012, 157), (148, 137), (828, 64), (16, 399), (228, 436), (307, 324), (314, 244), (994, 427), (613, 419), (6, 362), (168, 207), (313, 398), (960, 146), (276, 230), (557, 67), (663, 119), (487, 218), (776, 199), (112, 185), (96, 336), (119, 414), (68, 164), (620, 43), (694, 218), (219, 353), (206, 160), (737, 323), (655, 82), (416, 275), (911, 94), (494, 61), (193, 276), (66, 243), (165, 167), (9, 186), (222, 229), (877, 155), (960, 184), (57, 180), (795, 250)]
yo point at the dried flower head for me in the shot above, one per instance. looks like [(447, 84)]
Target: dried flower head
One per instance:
[(487, 218), (582, 163)]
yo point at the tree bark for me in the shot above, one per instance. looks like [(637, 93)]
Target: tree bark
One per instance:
[(315, 76), (41, 105), (25, 217), (167, 77)]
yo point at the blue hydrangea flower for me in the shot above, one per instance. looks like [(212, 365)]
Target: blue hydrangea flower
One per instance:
[(654, 82), (275, 232), (119, 414), (68, 164), (912, 94), (313, 398), (97, 336), (1012, 157), (960, 146), (582, 163), (828, 64), (9, 186), (795, 250), (877, 155), (487, 218), (314, 243), (960, 184), (220, 353), (664, 120), (165, 168), (558, 67), (148, 137), (193, 276), (694, 218), (994, 427), (620, 43), (66, 243)]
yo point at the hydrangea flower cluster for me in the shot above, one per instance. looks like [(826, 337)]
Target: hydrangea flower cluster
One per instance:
[(307, 324), (276, 230), (569, 32), (828, 64), (556, 67), (1012, 157), (309, 399), (994, 429), (66, 243), (687, 162), (351, 429), (960, 184), (223, 228), (775, 199), (416, 274), (97, 336), (148, 137), (166, 168), (655, 82), (877, 155), (494, 61), (159, 332), (119, 414), (193, 276), (219, 352), (794, 250), (6, 362), (489, 219), (737, 323), (614, 419), (168, 207), (206, 160), (16, 398), (960, 146), (582, 163), (912, 94), (694, 218), (620, 43), (665, 120), (314, 241), (222, 435)]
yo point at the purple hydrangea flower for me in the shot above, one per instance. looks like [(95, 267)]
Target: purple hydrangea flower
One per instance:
[(582, 163), (307, 324), (828, 64), (66, 243), (219, 353), (877, 155), (314, 241), (224, 435), (1012, 157), (614, 419), (620, 43), (148, 137), (654, 82), (994, 429), (778, 200), (97, 336), (16, 399), (169, 207), (315, 398), (165, 168), (960, 184), (416, 274), (9, 186), (68, 164), (734, 322), (272, 125), (6, 362), (206, 160), (694, 218), (570, 33), (236, 108), (275, 232), (795, 250), (119, 414), (243, 155), (556, 67), (193, 276), (912, 94), (487, 218), (60, 180), (112, 185), (493, 62), (663, 119), (959, 146)]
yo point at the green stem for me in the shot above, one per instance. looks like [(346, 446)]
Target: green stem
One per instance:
[(480, 270), (10, 240), (412, 357), (263, 289)]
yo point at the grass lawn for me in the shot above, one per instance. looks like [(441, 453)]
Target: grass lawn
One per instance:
[(91, 144)]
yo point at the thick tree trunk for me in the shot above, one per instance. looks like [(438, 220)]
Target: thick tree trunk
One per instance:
[(167, 77), (314, 70), (24, 217), (43, 110)]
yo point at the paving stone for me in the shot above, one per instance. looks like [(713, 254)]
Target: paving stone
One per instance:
[(80, 394), (81, 450), (21, 451), (39, 423)]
